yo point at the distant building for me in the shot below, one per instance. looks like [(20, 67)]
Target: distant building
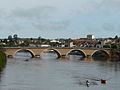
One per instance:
[(72, 44), (100, 44), (55, 41), (20, 41), (90, 36), (45, 45), (82, 43)]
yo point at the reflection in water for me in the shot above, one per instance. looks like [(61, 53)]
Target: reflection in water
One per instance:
[(77, 53), (75, 57), (22, 55), (57, 74), (49, 55), (100, 55)]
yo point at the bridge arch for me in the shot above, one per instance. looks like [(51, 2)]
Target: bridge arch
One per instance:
[(30, 51), (55, 50), (79, 50), (101, 51)]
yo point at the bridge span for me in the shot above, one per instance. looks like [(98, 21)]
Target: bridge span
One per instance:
[(61, 52)]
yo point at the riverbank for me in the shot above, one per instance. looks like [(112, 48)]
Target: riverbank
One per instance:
[(2, 60)]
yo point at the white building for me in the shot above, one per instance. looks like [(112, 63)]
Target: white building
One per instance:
[(45, 45), (71, 44), (55, 41), (90, 36)]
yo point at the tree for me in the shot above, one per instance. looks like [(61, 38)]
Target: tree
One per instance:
[(116, 37), (39, 38), (5, 41), (113, 46), (106, 46), (15, 36), (10, 37), (31, 38), (27, 42)]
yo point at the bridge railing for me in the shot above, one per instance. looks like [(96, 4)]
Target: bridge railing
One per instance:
[(59, 48)]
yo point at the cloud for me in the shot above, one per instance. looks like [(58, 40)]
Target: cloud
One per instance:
[(109, 8), (59, 16), (38, 18), (36, 12), (108, 26), (52, 25)]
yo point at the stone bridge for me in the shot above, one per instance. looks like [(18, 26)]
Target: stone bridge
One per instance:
[(61, 52)]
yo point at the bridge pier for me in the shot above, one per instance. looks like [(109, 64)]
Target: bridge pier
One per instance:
[(63, 56), (10, 56), (88, 56), (37, 56)]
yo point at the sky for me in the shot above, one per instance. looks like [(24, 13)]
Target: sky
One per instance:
[(59, 18)]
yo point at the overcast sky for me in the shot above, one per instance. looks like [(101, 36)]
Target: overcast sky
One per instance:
[(59, 18)]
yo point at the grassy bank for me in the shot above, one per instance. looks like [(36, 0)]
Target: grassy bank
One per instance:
[(2, 60)]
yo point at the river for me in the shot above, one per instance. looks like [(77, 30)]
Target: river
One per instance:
[(59, 74)]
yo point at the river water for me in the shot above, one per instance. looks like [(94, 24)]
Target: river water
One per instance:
[(59, 74)]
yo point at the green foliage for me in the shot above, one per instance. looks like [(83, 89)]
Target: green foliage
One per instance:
[(44, 40), (27, 42), (10, 37), (2, 45), (8, 45), (113, 46), (106, 46), (2, 60), (116, 37), (15, 36), (47, 40), (22, 44), (119, 46)]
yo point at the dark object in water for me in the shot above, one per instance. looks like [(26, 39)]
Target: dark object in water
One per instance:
[(26, 60), (103, 81), (87, 83)]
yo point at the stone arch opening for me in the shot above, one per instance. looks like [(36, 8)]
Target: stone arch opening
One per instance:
[(52, 51), (25, 51), (77, 52), (100, 54)]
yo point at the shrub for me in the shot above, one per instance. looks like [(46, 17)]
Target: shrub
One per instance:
[(106, 46)]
